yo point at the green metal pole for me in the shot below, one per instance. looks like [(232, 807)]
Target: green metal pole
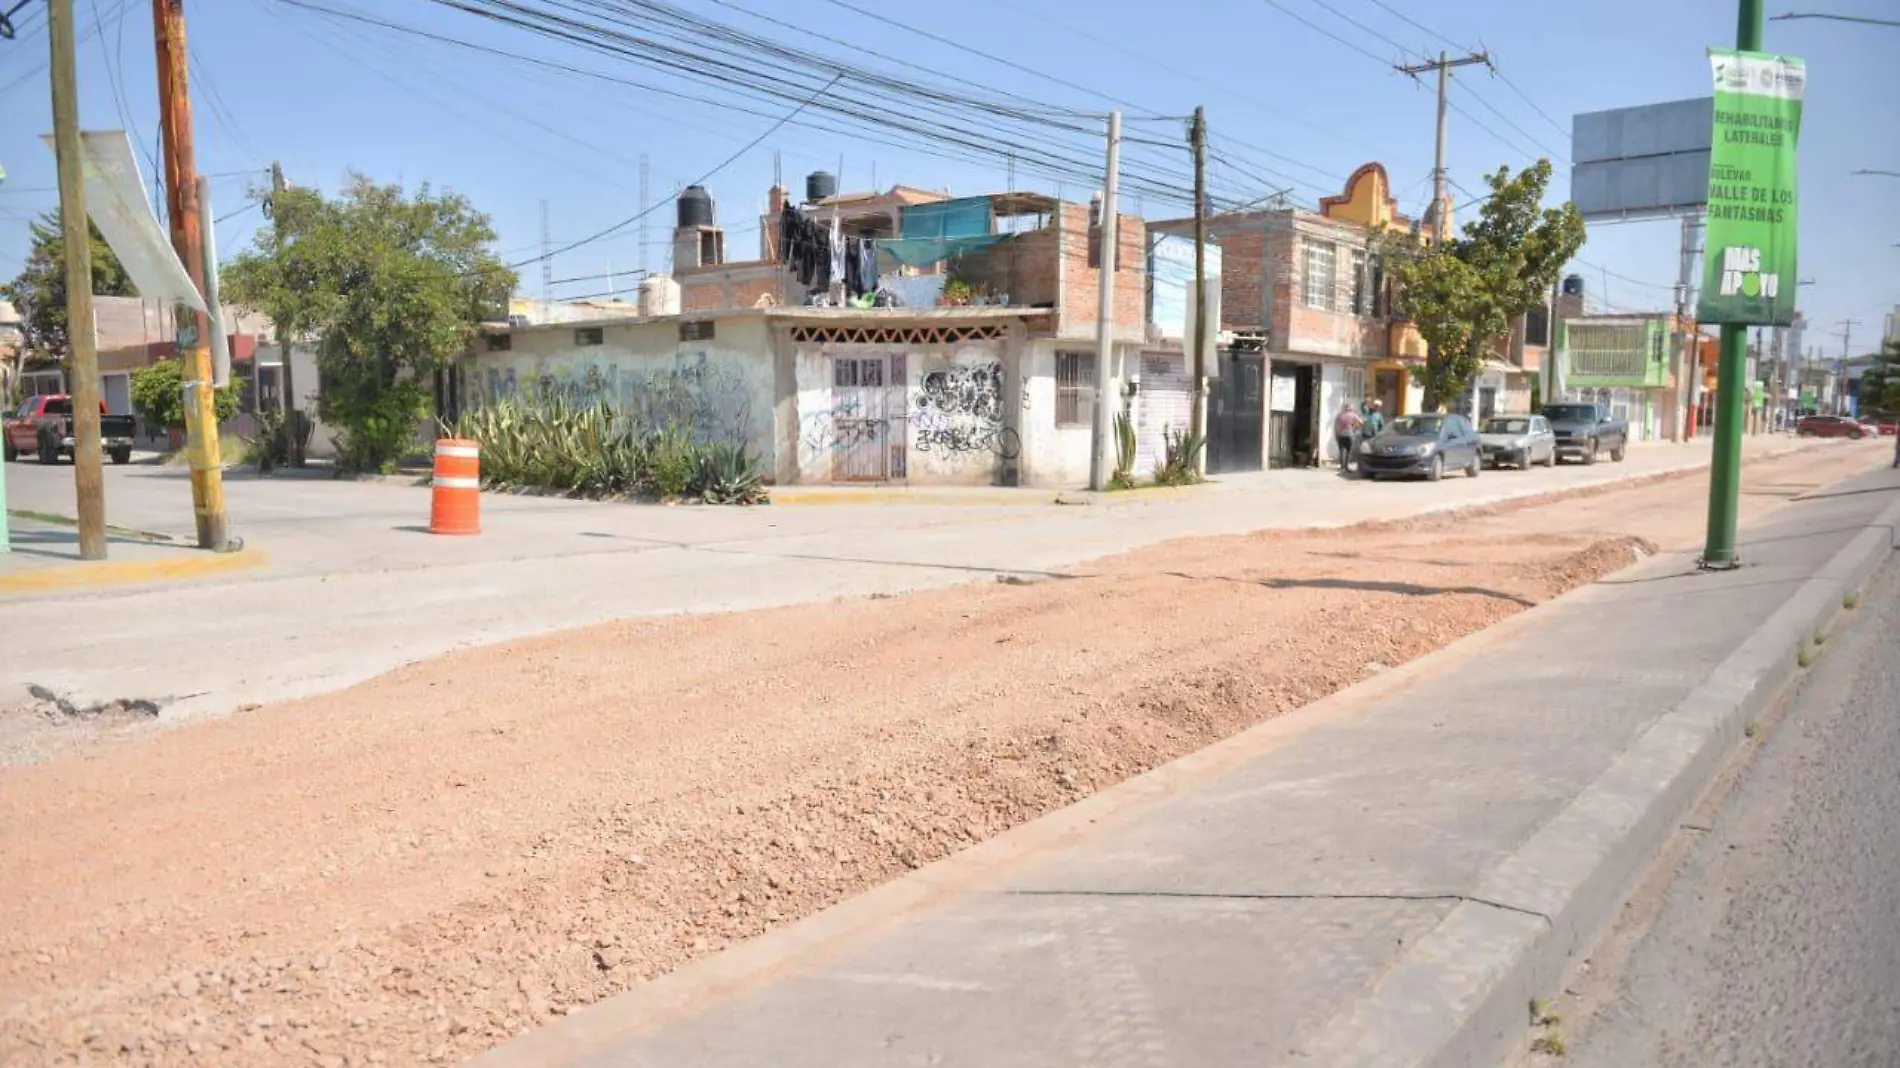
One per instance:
[(1731, 405)]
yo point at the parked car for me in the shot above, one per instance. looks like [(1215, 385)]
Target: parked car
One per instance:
[(1517, 440), (43, 427), (1427, 445), (1829, 426), (1586, 432)]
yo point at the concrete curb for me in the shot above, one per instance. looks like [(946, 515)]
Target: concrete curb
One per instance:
[(1461, 995)]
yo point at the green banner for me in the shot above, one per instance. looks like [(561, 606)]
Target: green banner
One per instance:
[(1749, 270)]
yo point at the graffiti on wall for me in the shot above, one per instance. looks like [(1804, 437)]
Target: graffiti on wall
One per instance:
[(843, 425), (960, 410), (708, 401)]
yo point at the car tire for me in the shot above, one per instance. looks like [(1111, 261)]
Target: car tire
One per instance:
[(1551, 460), (1590, 453), (1472, 471), (1436, 469), (121, 456), (47, 453), (1856, 435), (1617, 454), (11, 453)]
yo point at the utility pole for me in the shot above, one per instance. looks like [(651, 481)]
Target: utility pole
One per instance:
[(1440, 176), (1101, 455), (1197, 418), (181, 200), (88, 473), (644, 213), (286, 330), (1725, 465), (1846, 335), (1687, 367)]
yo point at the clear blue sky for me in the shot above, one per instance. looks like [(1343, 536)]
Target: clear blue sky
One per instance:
[(275, 82)]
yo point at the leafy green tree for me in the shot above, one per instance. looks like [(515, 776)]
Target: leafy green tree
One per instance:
[(158, 395), (1461, 294), (391, 285), (38, 293), (1880, 385)]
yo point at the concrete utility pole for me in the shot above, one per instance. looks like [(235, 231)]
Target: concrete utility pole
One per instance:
[(83, 361), (1101, 454), (181, 200), (286, 376), (1197, 418), (1440, 177), (1725, 462), (1688, 367), (1846, 334)]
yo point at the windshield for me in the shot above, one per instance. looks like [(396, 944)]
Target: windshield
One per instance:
[(1507, 426), (1558, 412), (1417, 426)]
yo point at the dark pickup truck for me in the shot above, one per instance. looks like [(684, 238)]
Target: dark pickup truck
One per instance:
[(1587, 432), (43, 427)]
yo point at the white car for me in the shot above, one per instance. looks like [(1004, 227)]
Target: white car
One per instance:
[(1519, 441)]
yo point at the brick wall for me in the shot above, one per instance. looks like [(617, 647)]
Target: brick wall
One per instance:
[(1081, 284)]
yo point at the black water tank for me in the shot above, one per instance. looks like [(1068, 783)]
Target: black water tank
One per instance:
[(696, 206), (1573, 285), (820, 185)]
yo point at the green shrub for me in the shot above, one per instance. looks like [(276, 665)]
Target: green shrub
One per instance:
[(266, 448), (158, 395), (1179, 453), (1124, 476), (575, 441)]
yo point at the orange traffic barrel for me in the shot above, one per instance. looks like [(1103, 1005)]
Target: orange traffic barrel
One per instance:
[(455, 506)]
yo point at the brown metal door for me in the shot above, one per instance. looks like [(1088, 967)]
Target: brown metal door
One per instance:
[(861, 424)]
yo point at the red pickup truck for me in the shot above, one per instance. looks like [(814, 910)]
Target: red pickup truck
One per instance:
[(43, 426)]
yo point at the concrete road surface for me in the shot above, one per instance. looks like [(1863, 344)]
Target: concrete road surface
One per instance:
[(1773, 940), (354, 586)]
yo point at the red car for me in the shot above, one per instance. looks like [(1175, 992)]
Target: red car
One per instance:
[(43, 426), (1830, 426)]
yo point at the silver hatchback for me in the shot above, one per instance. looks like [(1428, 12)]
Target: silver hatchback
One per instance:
[(1519, 441)]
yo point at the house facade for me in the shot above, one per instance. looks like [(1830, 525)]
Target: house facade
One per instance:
[(1304, 290), (977, 367)]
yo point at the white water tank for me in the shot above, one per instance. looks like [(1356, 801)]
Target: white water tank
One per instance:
[(659, 295)]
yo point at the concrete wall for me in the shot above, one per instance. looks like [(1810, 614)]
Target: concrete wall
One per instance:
[(720, 389), (945, 414)]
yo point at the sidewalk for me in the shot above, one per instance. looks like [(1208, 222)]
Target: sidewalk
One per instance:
[(1386, 877)]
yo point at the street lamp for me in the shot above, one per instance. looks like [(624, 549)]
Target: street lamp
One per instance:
[(1880, 174), (1864, 20)]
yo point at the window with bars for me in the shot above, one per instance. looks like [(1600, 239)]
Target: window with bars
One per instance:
[(1319, 271), (1352, 384), (1075, 389), (1361, 284)]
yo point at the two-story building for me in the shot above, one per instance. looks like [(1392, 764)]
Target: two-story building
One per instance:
[(956, 344), (1307, 291)]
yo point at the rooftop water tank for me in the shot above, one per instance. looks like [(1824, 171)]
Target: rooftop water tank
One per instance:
[(659, 295), (696, 206), (1573, 285), (820, 185)]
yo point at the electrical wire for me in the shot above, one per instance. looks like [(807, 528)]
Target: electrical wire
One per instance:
[(1512, 86), (1316, 27), (1404, 50), (1506, 119), (1408, 20)]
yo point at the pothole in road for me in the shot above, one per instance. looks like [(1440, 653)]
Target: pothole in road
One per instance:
[(51, 705)]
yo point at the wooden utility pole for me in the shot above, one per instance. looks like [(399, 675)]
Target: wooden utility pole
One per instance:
[(187, 229), (83, 359), (1102, 447), (286, 330), (1197, 417)]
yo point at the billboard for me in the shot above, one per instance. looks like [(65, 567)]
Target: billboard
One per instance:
[(1748, 271), (1642, 162)]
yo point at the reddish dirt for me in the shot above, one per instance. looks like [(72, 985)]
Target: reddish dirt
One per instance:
[(422, 866)]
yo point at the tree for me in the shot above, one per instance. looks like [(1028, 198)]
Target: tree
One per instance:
[(158, 395), (38, 293), (390, 285), (1880, 385), (1461, 294)]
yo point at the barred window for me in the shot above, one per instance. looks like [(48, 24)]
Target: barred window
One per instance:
[(1075, 389), (1319, 274)]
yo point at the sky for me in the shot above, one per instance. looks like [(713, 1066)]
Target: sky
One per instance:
[(1297, 92)]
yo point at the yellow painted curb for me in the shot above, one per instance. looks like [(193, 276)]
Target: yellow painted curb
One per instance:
[(105, 574)]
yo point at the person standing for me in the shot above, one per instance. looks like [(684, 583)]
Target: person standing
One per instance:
[(1346, 432), (1375, 419)]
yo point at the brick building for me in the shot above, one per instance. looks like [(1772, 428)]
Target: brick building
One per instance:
[(1305, 288)]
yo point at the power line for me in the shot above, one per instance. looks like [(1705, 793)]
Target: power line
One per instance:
[(1403, 50), (1512, 86), (1408, 20), (650, 208), (1506, 119), (1316, 27)]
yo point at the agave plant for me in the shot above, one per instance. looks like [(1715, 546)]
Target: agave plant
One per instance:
[(728, 474)]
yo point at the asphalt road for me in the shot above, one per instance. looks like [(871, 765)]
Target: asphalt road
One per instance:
[(1773, 940)]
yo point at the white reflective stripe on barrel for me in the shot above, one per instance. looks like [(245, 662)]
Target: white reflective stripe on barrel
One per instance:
[(459, 483), (470, 452)]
